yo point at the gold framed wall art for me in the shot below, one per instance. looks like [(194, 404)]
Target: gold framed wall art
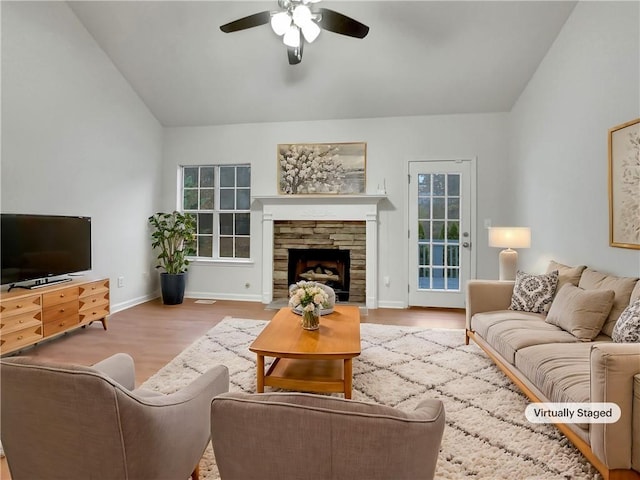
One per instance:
[(624, 185), (322, 168)]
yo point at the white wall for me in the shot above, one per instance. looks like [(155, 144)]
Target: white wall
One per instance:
[(588, 82), (77, 140), (391, 143)]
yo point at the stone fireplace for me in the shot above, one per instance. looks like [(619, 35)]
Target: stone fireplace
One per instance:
[(330, 252), (328, 222)]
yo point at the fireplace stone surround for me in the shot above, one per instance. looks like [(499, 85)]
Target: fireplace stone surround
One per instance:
[(321, 208), (337, 244)]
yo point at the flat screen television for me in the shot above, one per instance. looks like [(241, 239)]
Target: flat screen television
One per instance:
[(38, 247)]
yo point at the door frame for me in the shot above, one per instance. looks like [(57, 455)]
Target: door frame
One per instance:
[(473, 167)]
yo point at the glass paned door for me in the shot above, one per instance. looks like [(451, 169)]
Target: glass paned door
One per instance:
[(439, 199)]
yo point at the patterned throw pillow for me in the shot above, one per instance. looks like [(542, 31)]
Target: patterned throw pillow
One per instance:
[(627, 328), (534, 293)]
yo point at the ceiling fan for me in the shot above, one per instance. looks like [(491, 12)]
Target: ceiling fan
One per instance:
[(297, 23)]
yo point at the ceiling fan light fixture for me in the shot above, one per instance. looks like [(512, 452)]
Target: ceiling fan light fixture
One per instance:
[(301, 15), (280, 23), (292, 37), (310, 31)]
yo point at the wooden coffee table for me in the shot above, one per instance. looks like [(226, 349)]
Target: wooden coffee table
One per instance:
[(309, 361)]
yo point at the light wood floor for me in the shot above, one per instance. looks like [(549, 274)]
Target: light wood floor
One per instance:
[(153, 333)]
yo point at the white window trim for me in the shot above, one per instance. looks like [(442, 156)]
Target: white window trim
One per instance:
[(215, 260)]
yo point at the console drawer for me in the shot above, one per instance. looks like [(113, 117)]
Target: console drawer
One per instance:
[(98, 313), (99, 300), (60, 296), (62, 311), (94, 288), (51, 328), (20, 338), (19, 306), (13, 323)]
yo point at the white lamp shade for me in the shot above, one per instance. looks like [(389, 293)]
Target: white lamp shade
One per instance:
[(292, 37), (280, 23), (510, 237)]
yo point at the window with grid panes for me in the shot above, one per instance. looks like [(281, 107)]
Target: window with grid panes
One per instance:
[(219, 196)]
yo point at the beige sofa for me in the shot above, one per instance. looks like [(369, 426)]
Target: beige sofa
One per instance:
[(550, 364)]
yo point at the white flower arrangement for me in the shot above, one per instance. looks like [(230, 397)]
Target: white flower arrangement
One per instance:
[(309, 295)]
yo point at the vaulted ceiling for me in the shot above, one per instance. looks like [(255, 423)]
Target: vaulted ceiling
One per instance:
[(420, 58)]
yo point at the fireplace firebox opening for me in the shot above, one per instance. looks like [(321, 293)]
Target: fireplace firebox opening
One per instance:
[(328, 266)]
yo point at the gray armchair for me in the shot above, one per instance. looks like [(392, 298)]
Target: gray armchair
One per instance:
[(283, 436), (68, 421)]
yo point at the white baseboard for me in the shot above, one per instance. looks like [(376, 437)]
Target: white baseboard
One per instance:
[(388, 304), (224, 296), (133, 302)]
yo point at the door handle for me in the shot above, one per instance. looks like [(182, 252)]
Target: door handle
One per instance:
[(466, 244)]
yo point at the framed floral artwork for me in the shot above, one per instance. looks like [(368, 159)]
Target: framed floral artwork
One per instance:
[(624, 185), (322, 168)]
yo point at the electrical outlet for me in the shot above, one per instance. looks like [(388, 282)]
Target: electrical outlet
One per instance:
[(120, 282), (387, 281), (487, 223)]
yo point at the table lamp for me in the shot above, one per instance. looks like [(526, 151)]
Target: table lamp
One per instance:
[(509, 238)]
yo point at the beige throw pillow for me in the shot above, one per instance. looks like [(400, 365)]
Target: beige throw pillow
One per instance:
[(622, 286), (566, 274), (580, 312)]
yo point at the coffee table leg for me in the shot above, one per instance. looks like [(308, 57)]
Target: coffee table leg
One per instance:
[(348, 374), (260, 377)]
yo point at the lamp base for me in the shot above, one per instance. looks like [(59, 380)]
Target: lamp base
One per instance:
[(508, 264)]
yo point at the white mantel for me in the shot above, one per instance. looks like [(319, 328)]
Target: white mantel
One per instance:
[(321, 208)]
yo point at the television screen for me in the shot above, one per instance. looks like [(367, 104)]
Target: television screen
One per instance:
[(41, 246)]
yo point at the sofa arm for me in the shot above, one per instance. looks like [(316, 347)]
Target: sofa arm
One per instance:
[(613, 368), (635, 443), (487, 296)]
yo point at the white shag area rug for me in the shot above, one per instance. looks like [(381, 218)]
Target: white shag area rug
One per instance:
[(486, 436)]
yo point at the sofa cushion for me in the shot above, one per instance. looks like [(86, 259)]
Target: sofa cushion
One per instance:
[(622, 286), (580, 312), (533, 293), (560, 371), (566, 274), (627, 328), (510, 336), (481, 322)]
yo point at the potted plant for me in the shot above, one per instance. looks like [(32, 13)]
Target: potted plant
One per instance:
[(172, 234)]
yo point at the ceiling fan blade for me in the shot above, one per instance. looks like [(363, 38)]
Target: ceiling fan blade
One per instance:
[(295, 54), (251, 21), (338, 23)]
